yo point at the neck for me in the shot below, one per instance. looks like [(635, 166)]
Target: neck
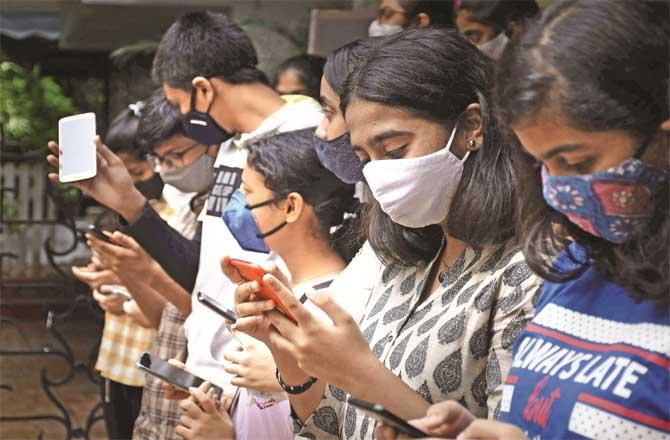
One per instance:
[(311, 258), (253, 104), (453, 250)]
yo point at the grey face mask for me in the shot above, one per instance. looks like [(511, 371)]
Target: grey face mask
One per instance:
[(196, 177)]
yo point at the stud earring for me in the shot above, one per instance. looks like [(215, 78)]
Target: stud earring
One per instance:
[(471, 143)]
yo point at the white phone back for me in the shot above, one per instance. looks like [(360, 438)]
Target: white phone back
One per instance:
[(76, 141)]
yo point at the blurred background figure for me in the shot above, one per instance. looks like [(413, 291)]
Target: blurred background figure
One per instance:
[(396, 15), (489, 24), (300, 75)]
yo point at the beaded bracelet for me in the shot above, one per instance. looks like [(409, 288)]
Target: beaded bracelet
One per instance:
[(295, 389)]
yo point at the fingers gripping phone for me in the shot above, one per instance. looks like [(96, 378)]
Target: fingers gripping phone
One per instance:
[(253, 272), (217, 307), (77, 151), (175, 376), (379, 413), (93, 229)]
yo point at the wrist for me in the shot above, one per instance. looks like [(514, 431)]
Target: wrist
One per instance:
[(289, 368), (133, 206)]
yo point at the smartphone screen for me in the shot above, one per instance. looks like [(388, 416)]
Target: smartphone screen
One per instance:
[(76, 143), (169, 373), (379, 413)]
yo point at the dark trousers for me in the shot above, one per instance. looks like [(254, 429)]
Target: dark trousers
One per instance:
[(120, 405)]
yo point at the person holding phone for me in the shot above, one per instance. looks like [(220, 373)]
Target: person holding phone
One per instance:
[(596, 226), (456, 290), (160, 131), (206, 65), (287, 203), (123, 338)]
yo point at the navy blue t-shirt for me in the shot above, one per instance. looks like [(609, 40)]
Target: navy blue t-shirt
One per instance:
[(593, 363)]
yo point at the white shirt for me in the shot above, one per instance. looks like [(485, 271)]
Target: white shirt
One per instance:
[(206, 332)]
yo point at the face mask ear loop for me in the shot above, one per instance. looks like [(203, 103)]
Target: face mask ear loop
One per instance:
[(260, 204), (193, 92), (272, 231)]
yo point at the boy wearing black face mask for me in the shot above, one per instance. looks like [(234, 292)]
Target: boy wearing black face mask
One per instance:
[(129, 325), (207, 67)]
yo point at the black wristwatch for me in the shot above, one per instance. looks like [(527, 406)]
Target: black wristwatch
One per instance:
[(295, 389)]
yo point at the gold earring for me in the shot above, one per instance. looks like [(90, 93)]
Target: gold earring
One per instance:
[(471, 143)]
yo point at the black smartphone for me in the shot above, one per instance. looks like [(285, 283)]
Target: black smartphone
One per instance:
[(93, 229), (379, 413), (173, 375), (217, 307)]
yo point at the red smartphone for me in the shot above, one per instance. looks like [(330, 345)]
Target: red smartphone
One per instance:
[(253, 272)]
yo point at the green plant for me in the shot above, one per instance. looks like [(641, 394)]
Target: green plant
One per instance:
[(30, 106)]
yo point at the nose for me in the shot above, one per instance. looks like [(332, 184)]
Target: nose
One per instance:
[(322, 130)]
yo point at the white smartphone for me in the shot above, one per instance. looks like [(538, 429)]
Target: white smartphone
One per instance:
[(76, 143)]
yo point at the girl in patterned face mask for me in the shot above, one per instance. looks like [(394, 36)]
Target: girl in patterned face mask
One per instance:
[(595, 224), (455, 290)]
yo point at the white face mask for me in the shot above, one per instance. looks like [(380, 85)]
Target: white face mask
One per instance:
[(377, 29), (416, 192), (494, 48)]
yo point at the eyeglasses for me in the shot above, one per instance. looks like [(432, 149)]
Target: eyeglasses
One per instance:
[(171, 160)]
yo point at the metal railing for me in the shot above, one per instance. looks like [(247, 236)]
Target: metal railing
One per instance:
[(39, 238)]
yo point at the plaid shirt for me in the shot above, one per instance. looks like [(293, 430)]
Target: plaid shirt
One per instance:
[(159, 416), (123, 342)]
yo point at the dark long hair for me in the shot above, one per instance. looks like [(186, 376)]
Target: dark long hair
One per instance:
[(499, 14), (122, 136), (289, 163), (604, 66), (343, 60), (439, 11), (309, 69), (435, 74)]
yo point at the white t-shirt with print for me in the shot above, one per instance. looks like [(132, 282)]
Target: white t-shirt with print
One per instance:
[(206, 331)]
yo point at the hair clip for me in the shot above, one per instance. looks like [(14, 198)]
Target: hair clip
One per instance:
[(137, 108)]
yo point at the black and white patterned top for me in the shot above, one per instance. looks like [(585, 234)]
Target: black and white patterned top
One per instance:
[(455, 345)]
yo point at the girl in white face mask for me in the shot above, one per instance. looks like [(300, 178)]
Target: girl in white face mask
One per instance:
[(456, 290), (396, 15)]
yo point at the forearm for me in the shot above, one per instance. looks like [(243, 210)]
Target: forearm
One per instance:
[(170, 290), (177, 255), (303, 404), (149, 301), (132, 206), (376, 383)]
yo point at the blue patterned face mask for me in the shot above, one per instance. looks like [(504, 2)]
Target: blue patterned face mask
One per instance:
[(240, 220), (609, 204), (338, 157)]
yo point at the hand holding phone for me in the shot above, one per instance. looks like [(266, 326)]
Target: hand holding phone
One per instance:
[(118, 291), (379, 413), (95, 230), (253, 272), (175, 376), (77, 151)]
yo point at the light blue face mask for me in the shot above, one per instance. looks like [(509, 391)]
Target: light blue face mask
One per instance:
[(240, 220)]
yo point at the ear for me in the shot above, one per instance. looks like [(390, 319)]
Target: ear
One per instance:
[(424, 20), (204, 93), (293, 207), (473, 126), (665, 125)]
